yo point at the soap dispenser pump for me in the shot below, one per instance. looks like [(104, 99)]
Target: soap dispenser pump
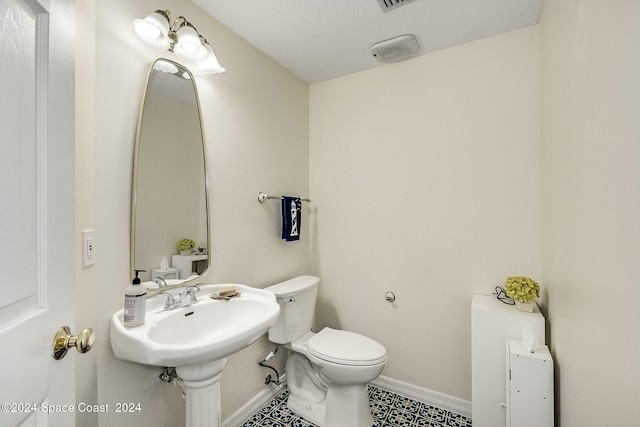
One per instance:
[(135, 297)]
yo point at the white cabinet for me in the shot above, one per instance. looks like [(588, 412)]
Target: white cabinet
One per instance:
[(188, 264), (529, 386), (492, 323)]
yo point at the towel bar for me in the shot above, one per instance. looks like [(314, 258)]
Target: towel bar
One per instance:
[(263, 196)]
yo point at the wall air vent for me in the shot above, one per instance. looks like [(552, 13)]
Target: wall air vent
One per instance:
[(388, 5)]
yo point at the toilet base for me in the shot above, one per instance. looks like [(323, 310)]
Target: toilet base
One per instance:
[(343, 406), (314, 412), (348, 406)]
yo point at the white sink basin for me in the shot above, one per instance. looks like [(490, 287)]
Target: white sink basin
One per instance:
[(204, 332)]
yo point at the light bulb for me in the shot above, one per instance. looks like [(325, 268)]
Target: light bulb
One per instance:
[(188, 46), (145, 29), (153, 30)]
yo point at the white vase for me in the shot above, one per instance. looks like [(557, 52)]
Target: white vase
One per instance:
[(527, 307), (186, 252)]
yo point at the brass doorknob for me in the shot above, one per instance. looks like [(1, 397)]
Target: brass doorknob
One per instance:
[(63, 341)]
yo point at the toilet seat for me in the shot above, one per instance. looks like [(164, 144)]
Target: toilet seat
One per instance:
[(346, 348)]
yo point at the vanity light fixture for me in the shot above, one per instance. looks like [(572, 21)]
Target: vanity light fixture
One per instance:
[(181, 38)]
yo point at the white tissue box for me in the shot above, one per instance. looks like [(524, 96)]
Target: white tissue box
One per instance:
[(169, 273)]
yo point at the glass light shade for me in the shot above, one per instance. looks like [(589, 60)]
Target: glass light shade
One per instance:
[(153, 30), (210, 65), (188, 46)]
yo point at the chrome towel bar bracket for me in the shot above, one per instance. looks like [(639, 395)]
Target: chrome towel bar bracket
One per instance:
[(264, 196)]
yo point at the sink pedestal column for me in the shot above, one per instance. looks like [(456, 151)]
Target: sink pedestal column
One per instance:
[(201, 385)]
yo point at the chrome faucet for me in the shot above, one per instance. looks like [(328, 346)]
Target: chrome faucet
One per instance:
[(170, 302), (190, 294), (160, 281), (183, 299)]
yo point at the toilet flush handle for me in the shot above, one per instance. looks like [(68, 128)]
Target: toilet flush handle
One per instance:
[(290, 301)]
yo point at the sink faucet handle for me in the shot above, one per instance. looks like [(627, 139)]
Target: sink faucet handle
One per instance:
[(190, 291), (170, 301)]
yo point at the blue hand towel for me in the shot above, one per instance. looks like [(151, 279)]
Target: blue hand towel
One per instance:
[(291, 218)]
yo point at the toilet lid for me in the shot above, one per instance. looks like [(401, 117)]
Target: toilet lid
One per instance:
[(346, 348)]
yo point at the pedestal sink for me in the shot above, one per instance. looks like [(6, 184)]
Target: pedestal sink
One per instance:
[(197, 340)]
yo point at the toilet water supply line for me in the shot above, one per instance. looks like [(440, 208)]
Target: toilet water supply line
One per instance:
[(263, 363)]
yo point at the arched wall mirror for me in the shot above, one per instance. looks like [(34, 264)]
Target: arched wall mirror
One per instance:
[(169, 194)]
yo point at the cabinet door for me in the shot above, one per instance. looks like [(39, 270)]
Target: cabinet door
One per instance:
[(529, 386)]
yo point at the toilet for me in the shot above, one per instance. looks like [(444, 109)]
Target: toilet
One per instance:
[(327, 372)]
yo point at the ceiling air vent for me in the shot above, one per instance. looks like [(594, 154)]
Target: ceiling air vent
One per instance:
[(388, 5), (395, 49)]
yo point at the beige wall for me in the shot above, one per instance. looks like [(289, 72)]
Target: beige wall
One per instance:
[(591, 207), (256, 127), (424, 177)]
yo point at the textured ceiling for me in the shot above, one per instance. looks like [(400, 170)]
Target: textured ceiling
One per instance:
[(322, 39)]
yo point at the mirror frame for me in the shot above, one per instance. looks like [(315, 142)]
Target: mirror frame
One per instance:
[(134, 187)]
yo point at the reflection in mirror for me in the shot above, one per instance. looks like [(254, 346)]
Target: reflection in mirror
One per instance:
[(169, 199)]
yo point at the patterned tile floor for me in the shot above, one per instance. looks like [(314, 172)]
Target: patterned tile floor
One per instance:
[(388, 409)]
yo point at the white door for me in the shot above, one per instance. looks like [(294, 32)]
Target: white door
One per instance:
[(37, 205)]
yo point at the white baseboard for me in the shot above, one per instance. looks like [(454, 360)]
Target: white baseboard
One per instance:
[(411, 391), (423, 395), (243, 414)]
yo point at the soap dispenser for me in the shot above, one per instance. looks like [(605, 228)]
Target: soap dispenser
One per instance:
[(135, 297)]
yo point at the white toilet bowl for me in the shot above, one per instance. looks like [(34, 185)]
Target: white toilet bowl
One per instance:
[(327, 372)]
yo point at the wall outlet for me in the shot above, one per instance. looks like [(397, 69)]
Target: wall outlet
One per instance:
[(88, 248)]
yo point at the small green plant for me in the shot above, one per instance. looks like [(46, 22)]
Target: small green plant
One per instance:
[(522, 288), (186, 244)]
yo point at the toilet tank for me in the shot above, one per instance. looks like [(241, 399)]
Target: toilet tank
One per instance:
[(297, 300)]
